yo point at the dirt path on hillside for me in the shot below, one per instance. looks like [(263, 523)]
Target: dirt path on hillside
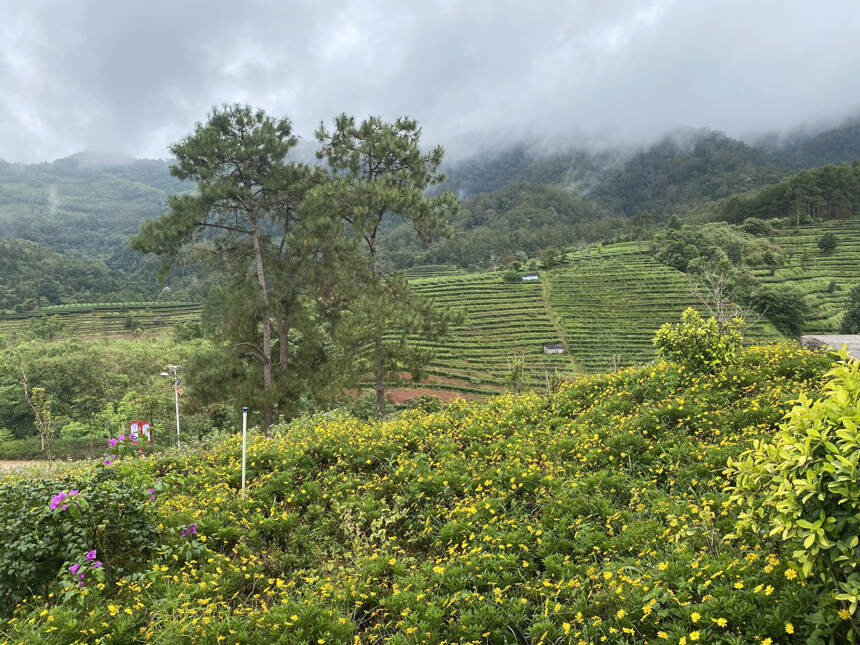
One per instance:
[(556, 323)]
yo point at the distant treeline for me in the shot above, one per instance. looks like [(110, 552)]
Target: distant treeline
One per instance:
[(826, 193)]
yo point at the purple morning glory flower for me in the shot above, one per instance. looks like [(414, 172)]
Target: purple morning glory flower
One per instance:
[(97, 564), (81, 584), (112, 442), (108, 462), (122, 437), (57, 499), (91, 555), (64, 507), (191, 529), (74, 568), (81, 575)]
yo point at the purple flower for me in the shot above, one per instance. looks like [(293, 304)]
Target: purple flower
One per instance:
[(91, 555), (112, 442), (108, 462), (74, 568), (97, 564), (64, 507), (191, 529), (74, 491), (81, 575), (122, 437), (81, 584), (57, 499), (151, 494)]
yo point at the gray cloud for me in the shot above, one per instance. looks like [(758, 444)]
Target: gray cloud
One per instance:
[(133, 77)]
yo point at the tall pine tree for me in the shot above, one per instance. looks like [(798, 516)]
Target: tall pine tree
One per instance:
[(378, 170)]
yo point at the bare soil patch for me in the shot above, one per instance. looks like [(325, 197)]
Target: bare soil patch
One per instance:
[(406, 394)]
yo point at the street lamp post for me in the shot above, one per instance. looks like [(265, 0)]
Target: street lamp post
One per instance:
[(174, 369)]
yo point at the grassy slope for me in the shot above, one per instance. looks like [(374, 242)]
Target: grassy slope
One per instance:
[(608, 305), (597, 516), (88, 320), (611, 302), (813, 271), (502, 320)]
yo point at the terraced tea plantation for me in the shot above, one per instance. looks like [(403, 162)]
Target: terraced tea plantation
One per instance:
[(825, 278), (502, 321), (106, 319), (431, 271), (611, 303)]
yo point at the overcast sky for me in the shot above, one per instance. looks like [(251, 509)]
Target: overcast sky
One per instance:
[(133, 76)]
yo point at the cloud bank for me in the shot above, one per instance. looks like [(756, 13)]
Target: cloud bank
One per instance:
[(134, 77)]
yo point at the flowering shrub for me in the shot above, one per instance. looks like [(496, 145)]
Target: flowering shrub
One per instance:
[(598, 515), (50, 523), (699, 344), (803, 485)]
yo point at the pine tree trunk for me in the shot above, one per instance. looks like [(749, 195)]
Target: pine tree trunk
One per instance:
[(379, 372), (266, 350)]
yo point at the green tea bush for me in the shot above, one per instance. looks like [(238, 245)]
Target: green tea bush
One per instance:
[(698, 344), (804, 485)]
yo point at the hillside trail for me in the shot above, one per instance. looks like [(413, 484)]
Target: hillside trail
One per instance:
[(557, 326)]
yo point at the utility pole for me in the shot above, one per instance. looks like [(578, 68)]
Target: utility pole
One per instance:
[(174, 369)]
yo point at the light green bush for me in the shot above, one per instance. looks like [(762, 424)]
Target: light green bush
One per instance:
[(804, 485), (698, 344)]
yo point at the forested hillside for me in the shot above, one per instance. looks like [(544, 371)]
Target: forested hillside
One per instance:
[(85, 207)]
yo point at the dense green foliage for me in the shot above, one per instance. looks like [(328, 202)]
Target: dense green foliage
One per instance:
[(99, 511), (596, 514), (802, 485), (101, 383), (679, 171), (851, 320), (829, 192), (519, 217), (85, 207), (32, 275), (700, 345), (377, 169), (714, 244)]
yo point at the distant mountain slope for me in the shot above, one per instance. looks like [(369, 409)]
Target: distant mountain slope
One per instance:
[(86, 207), (84, 203), (33, 274), (683, 168), (832, 146), (523, 217)]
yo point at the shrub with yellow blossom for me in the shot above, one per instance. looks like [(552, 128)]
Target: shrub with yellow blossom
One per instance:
[(598, 515)]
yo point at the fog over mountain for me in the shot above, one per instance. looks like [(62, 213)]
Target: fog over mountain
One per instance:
[(133, 77)]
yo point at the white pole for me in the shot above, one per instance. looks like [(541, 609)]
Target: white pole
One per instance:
[(244, 444), (176, 400)]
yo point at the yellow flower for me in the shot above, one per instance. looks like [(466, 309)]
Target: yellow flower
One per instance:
[(791, 574), (722, 622), (695, 616), (694, 636), (663, 635), (620, 614), (844, 614), (739, 584), (789, 628), (565, 627), (663, 566), (767, 641)]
